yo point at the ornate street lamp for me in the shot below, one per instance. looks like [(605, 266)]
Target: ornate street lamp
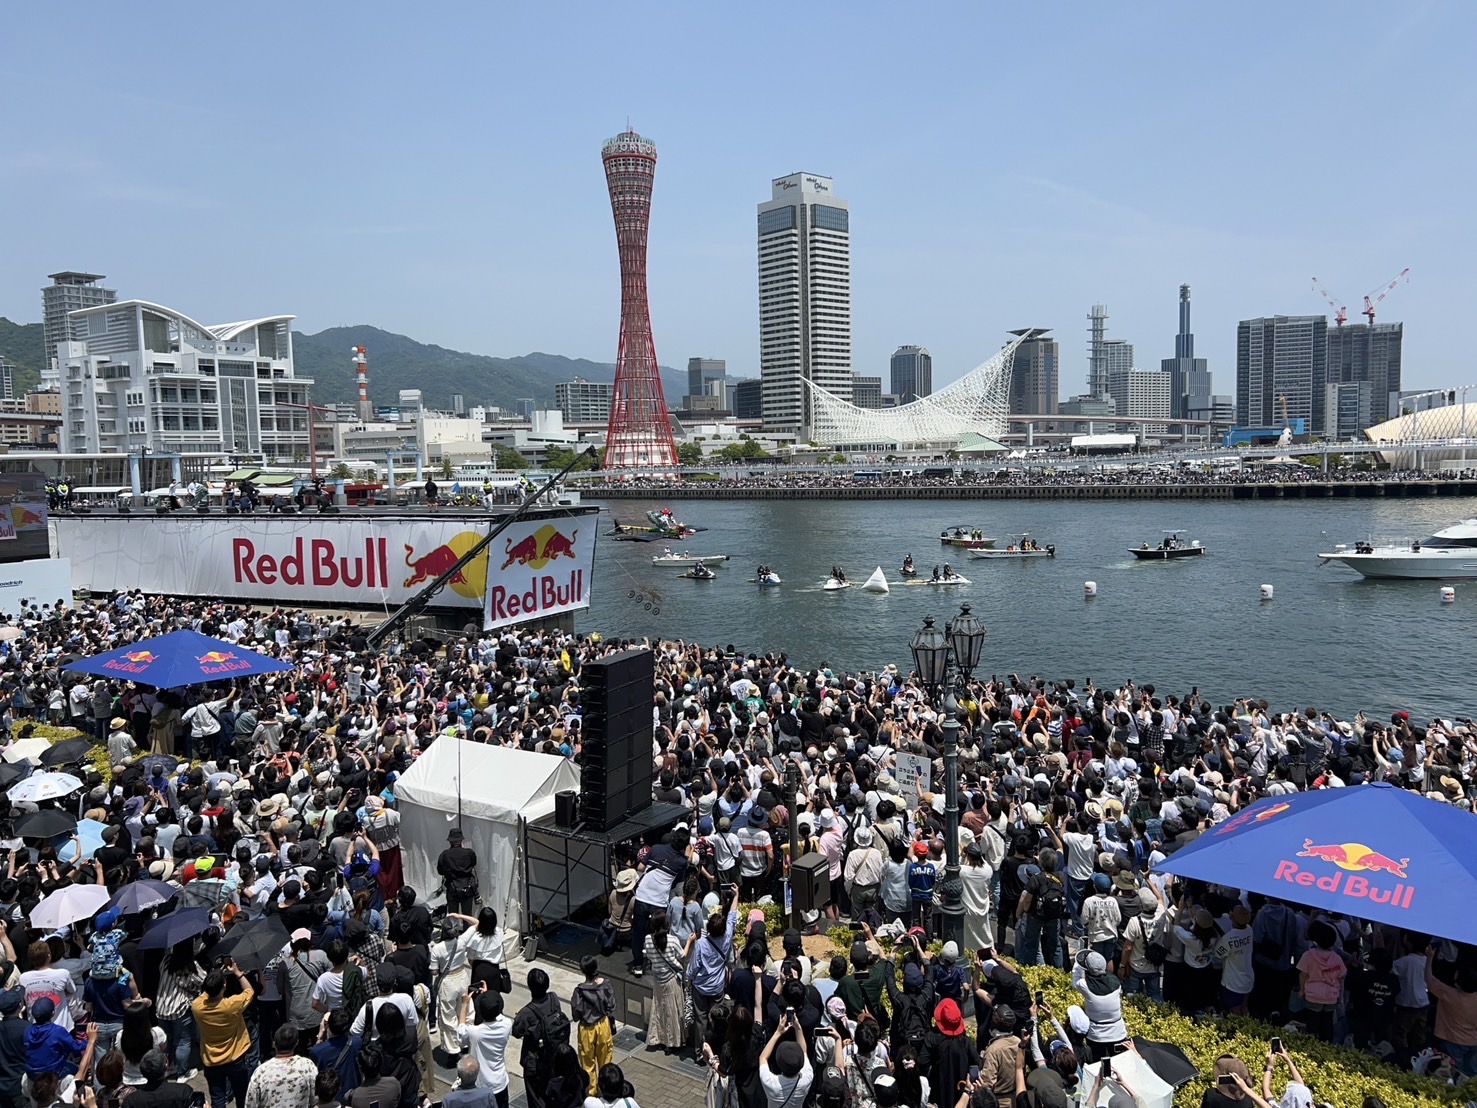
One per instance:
[(965, 641)]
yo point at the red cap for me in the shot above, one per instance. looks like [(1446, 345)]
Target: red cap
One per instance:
[(920, 848)]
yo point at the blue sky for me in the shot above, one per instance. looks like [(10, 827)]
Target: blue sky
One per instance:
[(434, 168)]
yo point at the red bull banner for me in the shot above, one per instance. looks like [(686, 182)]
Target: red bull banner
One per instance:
[(367, 560), (538, 568)]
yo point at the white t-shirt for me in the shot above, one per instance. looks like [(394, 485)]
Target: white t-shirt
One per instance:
[(1234, 951), (54, 983), (1081, 855), (782, 1092), (488, 1043)]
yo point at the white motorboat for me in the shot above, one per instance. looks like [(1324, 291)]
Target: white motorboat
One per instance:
[(834, 584), (1023, 546), (1449, 554), (669, 557)]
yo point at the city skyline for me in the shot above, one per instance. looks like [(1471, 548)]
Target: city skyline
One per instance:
[(502, 253)]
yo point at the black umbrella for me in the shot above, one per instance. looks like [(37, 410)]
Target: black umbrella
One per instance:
[(140, 896), (11, 772), (47, 823), (167, 931), (67, 752), (1168, 1061), (251, 945)]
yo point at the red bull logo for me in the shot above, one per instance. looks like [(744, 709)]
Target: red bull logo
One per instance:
[(214, 657), (1354, 860), (221, 662), (540, 548), (131, 662), (469, 581), (1249, 816)]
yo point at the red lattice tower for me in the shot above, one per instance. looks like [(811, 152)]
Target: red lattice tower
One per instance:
[(639, 432)]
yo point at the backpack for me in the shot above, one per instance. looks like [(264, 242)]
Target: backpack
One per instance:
[(910, 1021), (1155, 950), (1053, 899), (356, 990), (553, 1032)]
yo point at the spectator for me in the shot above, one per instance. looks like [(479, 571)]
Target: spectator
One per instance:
[(337, 1052), (1321, 973), (49, 1047), (952, 1052), (592, 1006), (667, 1022), (543, 1028), (612, 1090), (156, 1092), (487, 1039), (1230, 1084), (1456, 1015), (1102, 1000), (468, 1092), (1234, 951), (568, 1085), (224, 1040), (1296, 1093), (785, 1072), (375, 1088), (286, 1080), (707, 964)]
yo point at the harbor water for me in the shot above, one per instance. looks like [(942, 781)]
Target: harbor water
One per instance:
[(1329, 639)]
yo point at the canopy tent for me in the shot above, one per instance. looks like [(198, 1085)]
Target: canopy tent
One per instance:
[(1375, 851), (177, 659), (502, 787)]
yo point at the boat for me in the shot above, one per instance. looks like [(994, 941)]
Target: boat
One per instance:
[(1025, 547), (669, 557), (834, 584), (967, 538), (877, 582), (1449, 554), (951, 579), (663, 526), (766, 576), (1171, 546)]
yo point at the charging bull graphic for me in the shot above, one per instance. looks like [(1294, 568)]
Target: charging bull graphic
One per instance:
[(540, 548)]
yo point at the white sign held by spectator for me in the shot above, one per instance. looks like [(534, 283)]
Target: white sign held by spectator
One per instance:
[(909, 767)]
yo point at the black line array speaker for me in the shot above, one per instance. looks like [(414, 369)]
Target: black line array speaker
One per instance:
[(615, 770)]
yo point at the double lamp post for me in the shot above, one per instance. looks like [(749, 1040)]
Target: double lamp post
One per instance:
[(961, 641)]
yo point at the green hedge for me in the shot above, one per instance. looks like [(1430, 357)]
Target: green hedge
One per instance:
[(1341, 1077), (97, 757)]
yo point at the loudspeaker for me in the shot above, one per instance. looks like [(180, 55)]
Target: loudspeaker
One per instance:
[(233, 511), (810, 882), (615, 773), (566, 808)]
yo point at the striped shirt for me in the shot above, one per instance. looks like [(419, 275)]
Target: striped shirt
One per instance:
[(755, 847)]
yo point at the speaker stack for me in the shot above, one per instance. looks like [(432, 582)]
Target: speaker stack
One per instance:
[(615, 770)]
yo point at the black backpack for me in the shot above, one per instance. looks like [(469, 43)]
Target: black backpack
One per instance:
[(910, 1023), (553, 1032), (1053, 899)]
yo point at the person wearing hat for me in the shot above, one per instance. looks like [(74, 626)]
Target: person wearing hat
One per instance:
[(863, 871), (756, 854), (120, 741), (1102, 1000), (13, 1028), (954, 1054), (620, 905), (50, 1048), (1101, 917), (457, 868), (785, 1073)]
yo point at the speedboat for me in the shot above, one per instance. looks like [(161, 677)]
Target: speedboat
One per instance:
[(669, 557), (836, 584), (1171, 546), (967, 538), (1449, 554), (1011, 552)]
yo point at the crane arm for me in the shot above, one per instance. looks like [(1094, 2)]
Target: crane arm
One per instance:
[(1384, 291)]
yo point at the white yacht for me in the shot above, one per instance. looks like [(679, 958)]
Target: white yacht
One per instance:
[(1448, 554)]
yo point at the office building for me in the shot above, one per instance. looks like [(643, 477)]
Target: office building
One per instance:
[(67, 293), (1035, 371), (581, 401), (866, 392), (1140, 393), (1190, 385), (1369, 357), (1088, 407), (702, 373), (912, 373), (7, 380), (1281, 371), (458, 404), (140, 375), (804, 297), (746, 398)]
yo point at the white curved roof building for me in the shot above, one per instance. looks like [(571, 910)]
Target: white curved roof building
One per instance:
[(139, 374), (977, 403), (1434, 438)]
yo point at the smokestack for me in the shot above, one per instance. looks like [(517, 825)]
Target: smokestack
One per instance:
[(361, 375)]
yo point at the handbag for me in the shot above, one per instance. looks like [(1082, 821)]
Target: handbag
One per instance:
[(610, 931)]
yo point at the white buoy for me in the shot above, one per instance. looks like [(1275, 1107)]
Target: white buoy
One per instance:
[(877, 582), (1089, 589), (1448, 594), (1266, 592)]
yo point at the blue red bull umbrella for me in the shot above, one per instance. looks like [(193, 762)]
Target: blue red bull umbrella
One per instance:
[(1372, 851), (178, 659)]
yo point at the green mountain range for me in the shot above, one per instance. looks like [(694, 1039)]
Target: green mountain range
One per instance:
[(395, 362)]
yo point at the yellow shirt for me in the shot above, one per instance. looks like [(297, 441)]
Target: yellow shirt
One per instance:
[(223, 1034)]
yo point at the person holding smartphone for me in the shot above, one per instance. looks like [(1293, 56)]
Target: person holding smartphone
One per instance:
[(1230, 1085), (1296, 1094)]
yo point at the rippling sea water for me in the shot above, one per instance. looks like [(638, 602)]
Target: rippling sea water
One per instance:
[(1329, 638)]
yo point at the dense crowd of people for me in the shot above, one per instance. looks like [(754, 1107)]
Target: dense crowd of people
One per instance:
[(269, 807)]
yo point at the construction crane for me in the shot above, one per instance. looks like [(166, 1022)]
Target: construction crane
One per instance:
[(1384, 291), (1340, 311)]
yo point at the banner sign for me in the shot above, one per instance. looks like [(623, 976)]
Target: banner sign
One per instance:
[(298, 559), (539, 567), (907, 771), (35, 581)]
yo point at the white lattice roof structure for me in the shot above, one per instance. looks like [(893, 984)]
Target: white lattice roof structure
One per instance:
[(978, 402)]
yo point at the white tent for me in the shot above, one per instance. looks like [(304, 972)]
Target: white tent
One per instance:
[(499, 786)]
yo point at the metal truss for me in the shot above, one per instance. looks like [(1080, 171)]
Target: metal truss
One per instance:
[(978, 402)]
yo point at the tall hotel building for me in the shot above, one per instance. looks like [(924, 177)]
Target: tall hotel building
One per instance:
[(804, 298)]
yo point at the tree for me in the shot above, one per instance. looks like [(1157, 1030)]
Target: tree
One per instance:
[(690, 454), (342, 471), (745, 451), (505, 457), (560, 456), (446, 469)]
